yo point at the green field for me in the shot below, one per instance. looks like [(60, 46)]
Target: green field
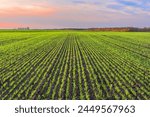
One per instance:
[(74, 65)]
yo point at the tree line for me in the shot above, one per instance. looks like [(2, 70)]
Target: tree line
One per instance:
[(122, 29)]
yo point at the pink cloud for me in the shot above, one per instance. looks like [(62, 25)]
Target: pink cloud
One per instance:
[(15, 25), (26, 11), (8, 25)]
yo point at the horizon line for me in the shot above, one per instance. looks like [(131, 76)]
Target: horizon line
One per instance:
[(30, 28)]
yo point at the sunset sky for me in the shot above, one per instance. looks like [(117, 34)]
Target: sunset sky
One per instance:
[(74, 13)]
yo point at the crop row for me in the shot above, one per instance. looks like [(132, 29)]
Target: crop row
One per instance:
[(74, 65)]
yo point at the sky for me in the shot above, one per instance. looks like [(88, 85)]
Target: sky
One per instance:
[(74, 13)]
